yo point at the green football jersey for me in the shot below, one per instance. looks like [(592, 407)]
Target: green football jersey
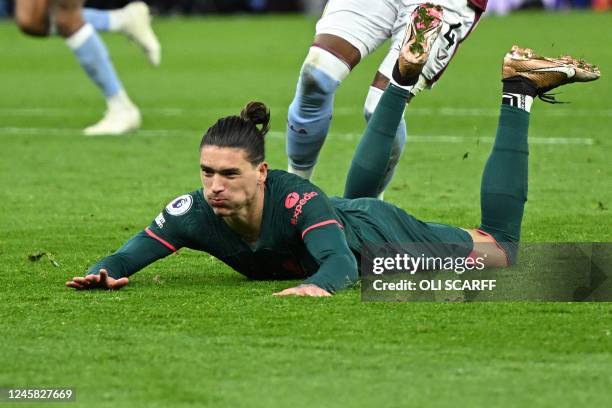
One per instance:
[(292, 208), (373, 221), (304, 234)]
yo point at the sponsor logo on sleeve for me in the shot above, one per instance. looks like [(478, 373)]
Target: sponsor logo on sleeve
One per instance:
[(160, 220), (180, 205), (292, 200), (300, 204)]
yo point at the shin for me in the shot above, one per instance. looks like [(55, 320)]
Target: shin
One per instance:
[(311, 110)]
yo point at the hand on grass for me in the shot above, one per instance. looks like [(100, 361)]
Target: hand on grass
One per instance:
[(101, 281), (304, 290)]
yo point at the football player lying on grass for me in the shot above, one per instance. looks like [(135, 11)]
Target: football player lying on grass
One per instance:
[(269, 224)]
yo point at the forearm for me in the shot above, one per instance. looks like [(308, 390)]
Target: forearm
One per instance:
[(337, 264), (336, 273), (140, 251)]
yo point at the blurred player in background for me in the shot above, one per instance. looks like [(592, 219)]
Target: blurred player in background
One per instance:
[(79, 27), (349, 31), (275, 225)]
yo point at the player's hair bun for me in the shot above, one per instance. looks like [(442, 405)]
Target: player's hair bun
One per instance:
[(259, 114)]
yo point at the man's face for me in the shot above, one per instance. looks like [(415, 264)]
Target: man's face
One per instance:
[(230, 181)]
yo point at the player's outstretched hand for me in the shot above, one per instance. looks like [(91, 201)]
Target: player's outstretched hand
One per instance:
[(101, 281), (304, 290)]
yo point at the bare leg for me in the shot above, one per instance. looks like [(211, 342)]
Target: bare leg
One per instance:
[(68, 16), (486, 247), (380, 81), (32, 17), (338, 46)]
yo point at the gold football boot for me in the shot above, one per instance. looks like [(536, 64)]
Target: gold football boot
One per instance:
[(422, 30), (546, 73)]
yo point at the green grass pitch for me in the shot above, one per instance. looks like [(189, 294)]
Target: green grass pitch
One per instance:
[(188, 331)]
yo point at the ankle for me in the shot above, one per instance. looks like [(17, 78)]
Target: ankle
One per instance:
[(519, 92), (520, 85)]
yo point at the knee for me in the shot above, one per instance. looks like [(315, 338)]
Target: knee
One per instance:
[(511, 250), (508, 244), (67, 21), (32, 25), (322, 72), (315, 82), (68, 17)]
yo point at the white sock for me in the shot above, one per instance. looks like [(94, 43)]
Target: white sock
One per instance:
[(120, 100), (118, 20), (520, 101), (80, 37)]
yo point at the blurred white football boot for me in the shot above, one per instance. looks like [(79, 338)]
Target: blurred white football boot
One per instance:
[(134, 20), (121, 116)]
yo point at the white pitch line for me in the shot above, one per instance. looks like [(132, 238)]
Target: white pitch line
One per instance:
[(339, 111), (561, 140), (464, 139), (79, 132), (585, 141), (38, 131)]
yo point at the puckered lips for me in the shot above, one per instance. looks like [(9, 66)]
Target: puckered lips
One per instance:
[(217, 201)]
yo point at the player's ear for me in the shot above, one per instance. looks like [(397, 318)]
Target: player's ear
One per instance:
[(262, 169)]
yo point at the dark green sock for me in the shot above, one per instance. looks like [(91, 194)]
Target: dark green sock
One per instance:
[(503, 190), (369, 165)]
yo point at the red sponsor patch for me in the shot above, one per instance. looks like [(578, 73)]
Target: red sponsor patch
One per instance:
[(292, 200), (298, 208)]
